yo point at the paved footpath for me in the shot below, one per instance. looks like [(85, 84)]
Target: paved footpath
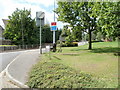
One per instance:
[(16, 73)]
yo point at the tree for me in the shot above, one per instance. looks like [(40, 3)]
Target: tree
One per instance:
[(99, 36), (108, 18), (57, 34), (21, 28), (64, 31), (47, 34), (78, 15), (101, 17)]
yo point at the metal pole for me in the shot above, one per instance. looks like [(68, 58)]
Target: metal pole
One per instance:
[(54, 10), (54, 21), (22, 33), (53, 37), (40, 38)]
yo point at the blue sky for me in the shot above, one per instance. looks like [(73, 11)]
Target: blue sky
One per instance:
[(7, 7)]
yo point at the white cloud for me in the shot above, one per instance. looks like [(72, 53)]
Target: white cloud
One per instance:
[(44, 2), (7, 7)]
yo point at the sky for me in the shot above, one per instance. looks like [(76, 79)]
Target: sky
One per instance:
[(7, 7)]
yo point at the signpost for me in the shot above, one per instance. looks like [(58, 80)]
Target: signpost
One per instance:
[(53, 28), (39, 16)]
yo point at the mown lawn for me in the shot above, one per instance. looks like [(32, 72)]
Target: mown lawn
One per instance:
[(100, 62)]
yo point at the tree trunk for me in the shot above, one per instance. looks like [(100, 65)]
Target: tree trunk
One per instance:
[(90, 42)]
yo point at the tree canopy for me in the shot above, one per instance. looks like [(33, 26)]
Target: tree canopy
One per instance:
[(90, 16), (21, 28)]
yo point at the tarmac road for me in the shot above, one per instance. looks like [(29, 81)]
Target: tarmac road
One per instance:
[(6, 58)]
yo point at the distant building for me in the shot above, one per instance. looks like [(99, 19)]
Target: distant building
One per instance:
[(5, 21), (1, 33), (3, 41)]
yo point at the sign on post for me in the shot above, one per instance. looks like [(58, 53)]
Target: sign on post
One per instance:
[(40, 16), (53, 26)]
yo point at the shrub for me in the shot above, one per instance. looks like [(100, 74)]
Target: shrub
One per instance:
[(94, 41), (64, 44), (70, 44), (75, 43), (56, 75)]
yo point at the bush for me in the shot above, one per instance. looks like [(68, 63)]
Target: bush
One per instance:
[(75, 43), (96, 41), (55, 75), (70, 44), (64, 44)]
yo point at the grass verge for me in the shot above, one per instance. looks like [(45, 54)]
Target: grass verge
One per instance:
[(77, 67), (55, 75)]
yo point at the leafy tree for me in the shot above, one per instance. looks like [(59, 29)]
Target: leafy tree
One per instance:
[(77, 33), (47, 34), (108, 18), (93, 36), (71, 34), (21, 28), (91, 16), (99, 36), (65, 31), (78, 15), (57, 34)]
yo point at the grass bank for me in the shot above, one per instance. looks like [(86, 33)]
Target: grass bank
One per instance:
[(100, 65), (48, 74)]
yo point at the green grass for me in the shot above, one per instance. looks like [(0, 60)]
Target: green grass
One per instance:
[(48, 74), (101, 62)]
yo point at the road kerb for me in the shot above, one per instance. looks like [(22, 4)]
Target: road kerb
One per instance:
[(1, 74), (12, 79)]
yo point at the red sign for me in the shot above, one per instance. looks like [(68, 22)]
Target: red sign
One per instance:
[(53, 23)]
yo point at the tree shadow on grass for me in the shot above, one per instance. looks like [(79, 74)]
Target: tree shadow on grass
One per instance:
[(114, 50), (106, 50), (78, 49)]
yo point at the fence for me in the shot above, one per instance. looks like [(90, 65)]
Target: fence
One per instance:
[(21, 47), (17, 47)]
